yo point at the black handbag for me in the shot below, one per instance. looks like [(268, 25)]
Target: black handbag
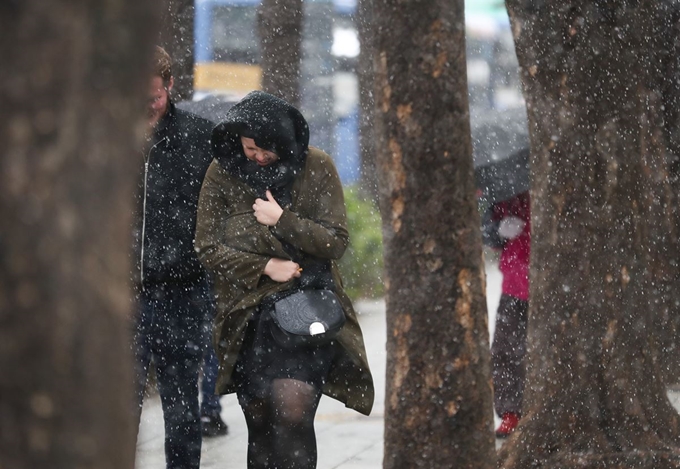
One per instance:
[(307, 318)]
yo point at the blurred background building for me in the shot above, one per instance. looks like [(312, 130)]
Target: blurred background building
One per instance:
[(227, 56)]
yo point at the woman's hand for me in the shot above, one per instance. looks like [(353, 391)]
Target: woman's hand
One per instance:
[(282, 270), (267, 211)]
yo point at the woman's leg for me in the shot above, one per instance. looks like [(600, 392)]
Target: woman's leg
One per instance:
[(281, 427), (293, 408), (260, 432), (280, 409)]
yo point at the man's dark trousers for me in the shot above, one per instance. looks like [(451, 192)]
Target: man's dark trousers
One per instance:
[(170, 327), (210, 403)]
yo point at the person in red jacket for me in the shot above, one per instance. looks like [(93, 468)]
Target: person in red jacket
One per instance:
[(509, 343)]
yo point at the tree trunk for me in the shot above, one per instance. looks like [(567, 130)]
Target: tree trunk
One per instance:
[(438, 409), (671, 100), (595, 397), (73, 78), (280, 30), (177, 38), (366, 78)]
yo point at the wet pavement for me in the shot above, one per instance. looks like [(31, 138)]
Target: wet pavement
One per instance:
[(345, 438)]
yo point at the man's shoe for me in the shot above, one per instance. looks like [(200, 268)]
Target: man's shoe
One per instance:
[(213, 425), (508, 424)]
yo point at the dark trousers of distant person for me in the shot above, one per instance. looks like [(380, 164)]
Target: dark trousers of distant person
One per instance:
[(170, 327), (210, 403), (507, 354)]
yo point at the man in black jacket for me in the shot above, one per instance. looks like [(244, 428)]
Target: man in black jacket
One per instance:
[(175, 298)]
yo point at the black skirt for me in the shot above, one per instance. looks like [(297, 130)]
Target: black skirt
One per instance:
[(262, 360)]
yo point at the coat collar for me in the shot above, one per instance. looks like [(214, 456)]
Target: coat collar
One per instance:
[(166, 128)]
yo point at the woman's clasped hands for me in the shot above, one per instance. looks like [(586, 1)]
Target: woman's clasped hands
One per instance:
[(268, 212)]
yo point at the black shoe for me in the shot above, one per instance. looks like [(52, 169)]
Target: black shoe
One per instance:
[(213, 425)]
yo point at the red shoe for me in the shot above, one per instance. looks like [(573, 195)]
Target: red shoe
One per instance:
[(508, 424)]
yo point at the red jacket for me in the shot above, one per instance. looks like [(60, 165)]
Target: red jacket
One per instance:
[(514, 262)]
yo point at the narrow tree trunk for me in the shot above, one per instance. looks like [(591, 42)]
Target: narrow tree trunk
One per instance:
[(73, 80), (177, 38), (438, 410), (595, 396), (280, 30)]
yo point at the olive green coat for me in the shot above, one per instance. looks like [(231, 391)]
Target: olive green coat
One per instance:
[(232, 244)]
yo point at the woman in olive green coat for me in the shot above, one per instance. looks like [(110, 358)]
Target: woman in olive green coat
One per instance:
[(271, 209)]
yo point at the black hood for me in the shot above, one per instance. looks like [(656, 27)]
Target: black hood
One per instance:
[(276, 126)]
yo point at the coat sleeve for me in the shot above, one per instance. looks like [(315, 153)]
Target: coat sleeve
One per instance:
[(242, 269), (325, 234)]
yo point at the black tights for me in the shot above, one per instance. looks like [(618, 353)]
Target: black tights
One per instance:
[(281, 426)]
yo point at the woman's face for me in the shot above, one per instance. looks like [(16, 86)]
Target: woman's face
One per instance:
[(259, 155)]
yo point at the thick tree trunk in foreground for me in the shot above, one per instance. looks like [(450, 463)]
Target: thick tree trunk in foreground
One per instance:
[(671, 100), (73, 78), (280, 30), (595, 396), (438, 410), (177, 37)]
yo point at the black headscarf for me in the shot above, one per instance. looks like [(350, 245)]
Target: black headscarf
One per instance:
[(275, 126)]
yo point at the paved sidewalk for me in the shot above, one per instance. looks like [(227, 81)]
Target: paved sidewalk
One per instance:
[(345, 438)]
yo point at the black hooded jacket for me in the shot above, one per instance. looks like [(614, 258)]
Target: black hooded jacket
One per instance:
[(279, 127), (175, 161), (276, 126)]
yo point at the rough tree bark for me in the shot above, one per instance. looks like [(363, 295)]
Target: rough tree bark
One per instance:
[(671, 100), (177, 38), (595, 396), (438, 410), (73, 79), (280, 30)]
